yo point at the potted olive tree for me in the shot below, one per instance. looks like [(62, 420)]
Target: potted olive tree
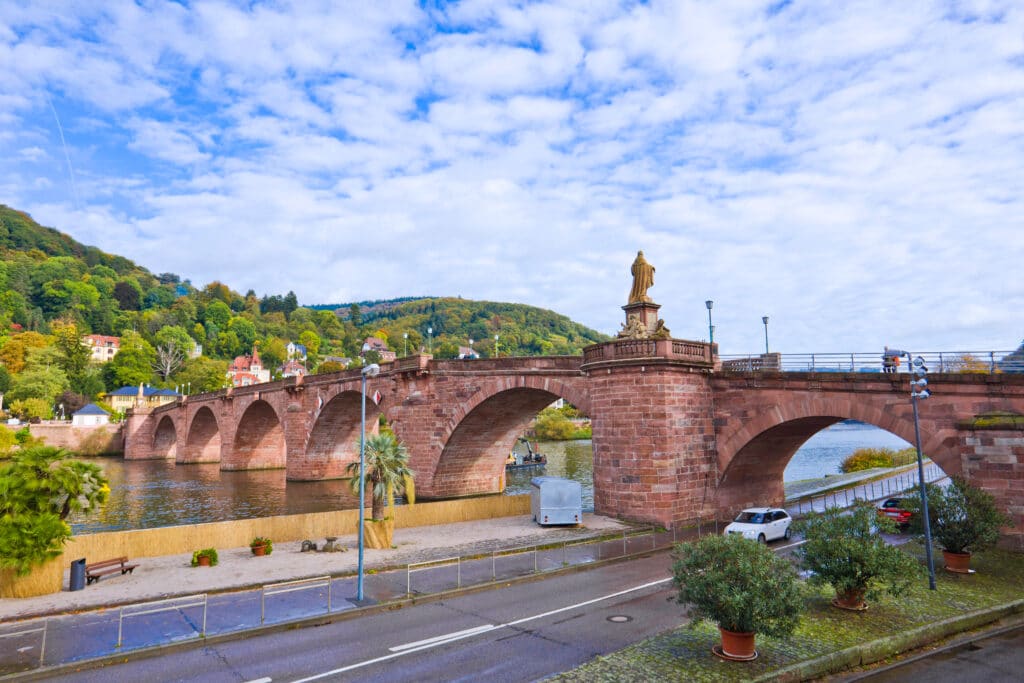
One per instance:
[(207, 557), (742, 586), (39, 487), (386, 471), (963, 519), (843, 549), (261, 545)]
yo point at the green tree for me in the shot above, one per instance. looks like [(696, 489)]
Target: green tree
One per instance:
[(31, 409), (218, 313), (963, 517), (74, 354), (128, 295), (203, 374), (386, 472), (244, 331), (39, 487), (133, 364)]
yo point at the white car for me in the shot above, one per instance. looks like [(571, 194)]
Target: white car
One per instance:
[(761, 524)]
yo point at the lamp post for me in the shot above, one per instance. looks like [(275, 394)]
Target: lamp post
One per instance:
[(496, 351), (371, 370), (918, 390), (430, 340), (764, 319), (711, 328), (405, 344), (470, 354)]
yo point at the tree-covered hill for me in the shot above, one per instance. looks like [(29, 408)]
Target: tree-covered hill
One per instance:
[(54, 290)]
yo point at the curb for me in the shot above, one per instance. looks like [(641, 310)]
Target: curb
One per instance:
[(883, 648)]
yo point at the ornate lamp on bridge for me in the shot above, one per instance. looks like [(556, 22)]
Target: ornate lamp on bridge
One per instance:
[(918, 390), (405, 344), (371, 370), (430, 340), (496, 354), (764, 319)]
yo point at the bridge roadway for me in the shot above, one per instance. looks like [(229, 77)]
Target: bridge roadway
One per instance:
[(675, 439)]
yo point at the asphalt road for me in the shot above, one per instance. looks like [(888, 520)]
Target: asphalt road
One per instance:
[(994, 659), (521, 632)]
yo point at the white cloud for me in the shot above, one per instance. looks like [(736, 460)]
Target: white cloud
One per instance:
[(852, 170)]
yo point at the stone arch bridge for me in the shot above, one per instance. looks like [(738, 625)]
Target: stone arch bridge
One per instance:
[(675, 438)]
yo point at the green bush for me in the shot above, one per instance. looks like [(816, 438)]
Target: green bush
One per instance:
[(843, 549), (738, 583), (205, 552), (28, 539), (868, 458), (963, 518)]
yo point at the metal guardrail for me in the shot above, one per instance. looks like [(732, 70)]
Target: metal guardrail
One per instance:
[(973, 362), (894, 484), (29, 631), (272, 589)]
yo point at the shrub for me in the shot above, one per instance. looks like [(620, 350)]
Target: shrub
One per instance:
[(842, 548), (963, 518), (94, 443), (29, 539), (867, 458), (552, 425), (738, 583), (205, 552)]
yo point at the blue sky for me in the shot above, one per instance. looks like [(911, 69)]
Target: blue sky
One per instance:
[(853, 170)]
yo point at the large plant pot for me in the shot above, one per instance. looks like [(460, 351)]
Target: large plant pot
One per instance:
[(959, 563), (736, 646), (203, 560), (378, 533), (44, 579), (851, 600), (259, 550)]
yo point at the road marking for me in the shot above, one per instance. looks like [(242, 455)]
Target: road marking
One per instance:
[(791, 545), (446, 637), (402, 650), (265, 679)]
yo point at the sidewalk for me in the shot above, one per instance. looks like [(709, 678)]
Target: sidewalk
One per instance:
[(172, 575)]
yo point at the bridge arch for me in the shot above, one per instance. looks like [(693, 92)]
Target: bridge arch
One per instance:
[(203, 443), (753, 456), (259, 440), (165, 439), (333, 441), (482, 431)]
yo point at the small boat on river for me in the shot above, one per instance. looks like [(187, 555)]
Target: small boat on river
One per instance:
[(529, 460)]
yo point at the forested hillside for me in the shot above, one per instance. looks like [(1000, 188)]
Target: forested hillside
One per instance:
[(56, 290)]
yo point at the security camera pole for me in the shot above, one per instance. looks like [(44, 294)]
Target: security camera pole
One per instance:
[(918, 390)]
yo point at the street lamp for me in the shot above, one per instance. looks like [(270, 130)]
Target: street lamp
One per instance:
[(470, 354), (764, 319), (918, 391), (430, 340), (405, 344), (371, 370), (711, 328), (496, 352)]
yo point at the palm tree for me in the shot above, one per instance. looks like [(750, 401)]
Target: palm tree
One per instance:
[(387, 471)]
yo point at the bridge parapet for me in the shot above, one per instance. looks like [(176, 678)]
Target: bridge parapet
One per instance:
[(652, 351)]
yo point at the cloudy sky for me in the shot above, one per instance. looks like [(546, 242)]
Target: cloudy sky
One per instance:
[(854, 170)]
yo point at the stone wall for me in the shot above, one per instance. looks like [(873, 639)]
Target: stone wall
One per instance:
[(993, 459), (95, 438)]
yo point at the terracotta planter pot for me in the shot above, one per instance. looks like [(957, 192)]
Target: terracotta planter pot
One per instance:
[(959, 563), (259, 550), (851, 600), (737, 646), (203, 560), (378, 533)]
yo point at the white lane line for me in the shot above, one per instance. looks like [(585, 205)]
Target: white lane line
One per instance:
[(446, 637), (791, 545), (265, 679), (469, 633)]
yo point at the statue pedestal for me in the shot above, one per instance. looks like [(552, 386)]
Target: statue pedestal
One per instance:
[(646, 311)]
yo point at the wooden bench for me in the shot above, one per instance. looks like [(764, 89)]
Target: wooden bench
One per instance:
[(94, 571)]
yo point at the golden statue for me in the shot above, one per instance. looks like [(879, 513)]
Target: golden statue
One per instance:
[(643, 277)]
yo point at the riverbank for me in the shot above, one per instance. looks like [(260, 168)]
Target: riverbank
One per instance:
[(829, 640)]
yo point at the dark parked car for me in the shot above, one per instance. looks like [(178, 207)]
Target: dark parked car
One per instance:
[(892, 508)]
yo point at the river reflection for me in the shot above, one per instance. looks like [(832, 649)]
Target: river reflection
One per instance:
[(145, 494)]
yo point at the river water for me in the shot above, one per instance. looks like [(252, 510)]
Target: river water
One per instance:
[(154, 493)]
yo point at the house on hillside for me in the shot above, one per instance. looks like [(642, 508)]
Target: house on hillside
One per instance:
[(296, 351), (248, 370), (126, 397), (378, 345), (101, 346), (90, 415), (293, 368)]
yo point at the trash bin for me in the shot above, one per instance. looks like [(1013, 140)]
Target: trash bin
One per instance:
[(77, 581)]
